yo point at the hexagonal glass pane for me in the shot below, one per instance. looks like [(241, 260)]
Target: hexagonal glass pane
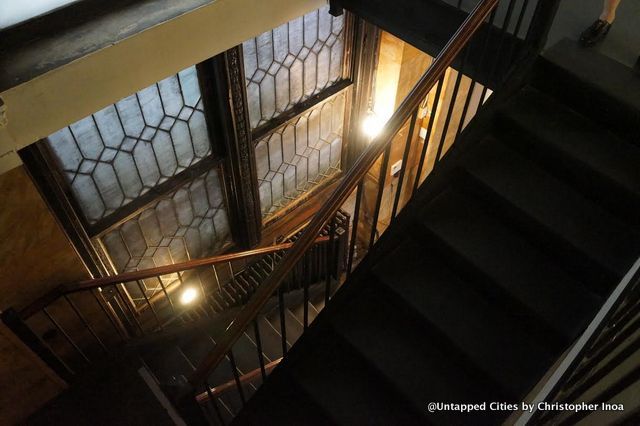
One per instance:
[(160, 128), (190, 223), (300, 156), (300, 57)]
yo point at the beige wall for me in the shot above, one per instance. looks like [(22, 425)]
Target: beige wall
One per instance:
[(399, 69), (35, 255), (26, 383)]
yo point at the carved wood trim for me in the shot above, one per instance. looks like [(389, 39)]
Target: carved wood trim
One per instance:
[(224, 97)]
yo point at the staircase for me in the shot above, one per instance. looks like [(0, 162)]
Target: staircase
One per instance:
[(491, 272), (171, 357), (518, 242), (236, 289), (164, 342)]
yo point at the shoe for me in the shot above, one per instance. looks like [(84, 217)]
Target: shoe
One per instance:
[(595, 33)]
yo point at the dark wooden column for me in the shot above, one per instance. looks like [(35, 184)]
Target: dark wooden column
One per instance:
[(47, 178), (224, 97), (365, 49)]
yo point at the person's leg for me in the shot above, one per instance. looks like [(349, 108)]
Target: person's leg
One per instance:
[(609, 10), (600, 28)]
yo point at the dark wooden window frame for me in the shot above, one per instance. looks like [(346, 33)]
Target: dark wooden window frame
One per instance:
[(362, 49), (344, 85), (47, 174), (223, 91)]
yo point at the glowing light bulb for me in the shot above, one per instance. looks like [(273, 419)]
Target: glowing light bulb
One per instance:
[(372, 125), (188, 295)]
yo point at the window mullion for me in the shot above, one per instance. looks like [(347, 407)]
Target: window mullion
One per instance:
[(222, 84)]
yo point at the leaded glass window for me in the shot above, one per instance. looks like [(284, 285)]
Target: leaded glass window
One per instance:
[(300, 155), (119, 153), (188, 224), (291, 63), (147, 143)]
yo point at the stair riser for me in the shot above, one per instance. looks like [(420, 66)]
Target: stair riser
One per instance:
[(588, 100), (597, 187), (599, 278), (467, 270)]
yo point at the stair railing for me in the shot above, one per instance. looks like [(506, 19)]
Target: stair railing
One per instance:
[(589, 362), (353, 180), (114, 309)]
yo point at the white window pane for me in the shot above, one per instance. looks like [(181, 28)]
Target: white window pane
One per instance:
[(291, 63), (300, 156), (13, 12), (119, 153)]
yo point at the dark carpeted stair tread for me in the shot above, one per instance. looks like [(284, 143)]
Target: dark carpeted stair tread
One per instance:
[(482, 243), (594, 84), (497, 344), (293, 328), (594, 159), (340, 382), (230, 404), (246, 353), (298, 311), (167, 363), (196, 349), (293, 407), (575, 226), (409, 356), (270, 339)]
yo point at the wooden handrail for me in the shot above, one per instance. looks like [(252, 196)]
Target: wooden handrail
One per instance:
[(347, 185), (95, 283), (232, 384)]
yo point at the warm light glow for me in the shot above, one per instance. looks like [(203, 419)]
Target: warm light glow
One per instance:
[(188, 295), (372, 125)]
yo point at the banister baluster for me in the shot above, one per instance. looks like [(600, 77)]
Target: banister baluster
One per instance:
[(153, 310), (110, 316), (85, 323), (405, 160), (330, 250), (256, 330), (427, 138), (381, 181), (354, 230), (283, 325), (213, 402), (66, 335), (236, 376), (166, 294), (306, 281), (344, 189)]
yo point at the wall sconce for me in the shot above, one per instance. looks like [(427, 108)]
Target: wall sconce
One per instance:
[(372, 125), (188, 296)]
